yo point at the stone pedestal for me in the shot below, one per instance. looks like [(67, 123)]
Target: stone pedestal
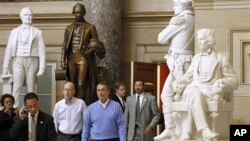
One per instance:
[(6, 81), (106, 16)]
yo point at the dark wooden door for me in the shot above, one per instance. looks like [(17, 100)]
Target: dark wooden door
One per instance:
[(146, 72)]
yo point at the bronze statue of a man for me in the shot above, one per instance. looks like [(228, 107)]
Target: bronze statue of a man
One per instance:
[(80, 48)]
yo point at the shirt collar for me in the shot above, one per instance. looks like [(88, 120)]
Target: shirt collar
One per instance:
[(141, 95), (121, 98), (35, 114), (24, 27), (78, 23), (104, 105), (69, 102), (207, 52)]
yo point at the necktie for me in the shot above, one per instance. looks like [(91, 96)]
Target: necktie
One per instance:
[(33, 129), (138, 118), (123, 103)]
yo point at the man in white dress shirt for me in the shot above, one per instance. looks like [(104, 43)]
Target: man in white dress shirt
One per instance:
[(26, 50), (68, 115)]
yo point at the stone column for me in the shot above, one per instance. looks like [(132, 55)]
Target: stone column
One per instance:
[(106, 16)]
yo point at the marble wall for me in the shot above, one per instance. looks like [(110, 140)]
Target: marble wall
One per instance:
[(230, 21), (141, 21)]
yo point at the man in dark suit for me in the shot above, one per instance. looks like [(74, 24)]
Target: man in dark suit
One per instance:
[(141, 115), (80, 48), (120, 93), (33, 124)]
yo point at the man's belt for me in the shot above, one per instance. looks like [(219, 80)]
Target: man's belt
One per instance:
[(69, 135)]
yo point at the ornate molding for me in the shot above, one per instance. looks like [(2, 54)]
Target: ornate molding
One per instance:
[(221, 4), (146, 19), (52, 12)]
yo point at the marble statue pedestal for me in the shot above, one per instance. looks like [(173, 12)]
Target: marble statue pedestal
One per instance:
[(218, 115), (6, 81)]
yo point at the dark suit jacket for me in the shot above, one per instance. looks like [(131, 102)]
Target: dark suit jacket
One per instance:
[(115, 98), (6, 123), (45, 128)]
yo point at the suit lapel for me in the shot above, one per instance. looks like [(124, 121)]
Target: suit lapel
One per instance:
[(145, 97), (116, 98), (71, 30), (84, 27), (15, 37), (39, 123), (133, 103), (33, 33)]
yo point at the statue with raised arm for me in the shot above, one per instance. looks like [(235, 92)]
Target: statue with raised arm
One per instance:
[(80, 48), (26, 50), (209, 76), (179, 35)]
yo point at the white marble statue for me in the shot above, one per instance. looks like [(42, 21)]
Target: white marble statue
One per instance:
[(179, 35), (26, 50), (209, 76)]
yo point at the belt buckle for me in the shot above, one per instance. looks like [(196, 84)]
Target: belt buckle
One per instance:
[(70, 136)]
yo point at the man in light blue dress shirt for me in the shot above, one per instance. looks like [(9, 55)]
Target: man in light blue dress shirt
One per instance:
[(68, 115)]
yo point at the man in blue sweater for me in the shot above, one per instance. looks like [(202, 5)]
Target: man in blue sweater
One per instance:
[(104, 119)]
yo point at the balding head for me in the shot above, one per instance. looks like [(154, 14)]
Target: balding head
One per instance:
[(69, 91)]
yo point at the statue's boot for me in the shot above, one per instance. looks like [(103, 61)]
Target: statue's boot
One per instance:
[(185, 136), (208, 135), (168, 131)]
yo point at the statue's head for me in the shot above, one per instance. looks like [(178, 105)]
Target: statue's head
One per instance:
[(180, 5), (205, 39), (26, 15), (79, 11)]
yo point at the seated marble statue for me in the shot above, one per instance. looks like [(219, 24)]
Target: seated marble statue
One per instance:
[(207, 78)]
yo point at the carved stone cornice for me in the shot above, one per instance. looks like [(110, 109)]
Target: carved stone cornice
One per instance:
[(221, 4), (53, 12), (146, 19)]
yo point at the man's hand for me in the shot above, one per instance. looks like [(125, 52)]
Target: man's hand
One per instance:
[(40, 73), (7, 110), (23, 112), (148, 130)]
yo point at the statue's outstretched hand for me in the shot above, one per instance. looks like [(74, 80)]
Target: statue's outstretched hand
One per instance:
[(40, 73), (5, 72)]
